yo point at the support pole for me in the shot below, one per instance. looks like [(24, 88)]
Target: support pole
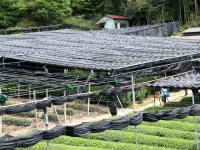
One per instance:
[(57, 114), (65, 107), (133, 96), (29, 92), (89, 90), (47, 93), (3, 59), (18, 91), (133, 92), (195, 125), (46, 121), (1, 122), (36, 113), (1, 126), (120, 104)]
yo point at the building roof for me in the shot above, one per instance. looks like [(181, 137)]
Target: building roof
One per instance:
[(192, 31), (118, 17), (96, 51)]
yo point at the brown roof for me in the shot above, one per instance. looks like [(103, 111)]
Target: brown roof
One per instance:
[(118, 17)]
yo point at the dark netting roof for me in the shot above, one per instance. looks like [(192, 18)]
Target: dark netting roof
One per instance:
[(191, 80), (97, 51)]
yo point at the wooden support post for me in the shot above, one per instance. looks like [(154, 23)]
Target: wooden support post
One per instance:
[(57, 114), (1, 121), (89, 90), (134, 109), (3, 59), (29, 92), (133, 92), (121, 104), (18, 91), (47, 93), (36, 112), (65, 70), (195, 125), (65, 108)]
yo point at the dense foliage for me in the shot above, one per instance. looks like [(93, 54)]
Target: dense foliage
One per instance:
[(24, 13)]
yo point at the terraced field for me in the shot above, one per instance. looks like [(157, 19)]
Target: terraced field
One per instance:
[(162, 135)]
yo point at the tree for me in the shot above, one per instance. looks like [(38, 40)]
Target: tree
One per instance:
[(82, 7), (10, 12), (50, 11)]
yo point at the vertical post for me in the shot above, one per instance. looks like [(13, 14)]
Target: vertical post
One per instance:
[(120, 104), (133, 96), (1, 122), (36, 113), (65, 107), (65, 70), (89, 90), (3, 64), (29, 92), (133, 92), (47, 93), (195, 125), (1, 125), (18, 91), (46, 121)]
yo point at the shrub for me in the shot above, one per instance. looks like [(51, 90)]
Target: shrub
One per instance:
[(69, 111), (52, 146), (17, 121), (173, 125), (74, 141), (51, 116), (26, 114), (82, 107), (125, 137), (162, 132)]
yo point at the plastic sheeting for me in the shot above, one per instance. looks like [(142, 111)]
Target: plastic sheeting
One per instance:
[(9, 142)]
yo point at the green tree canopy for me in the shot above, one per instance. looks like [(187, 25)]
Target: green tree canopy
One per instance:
[(50, 11), (10, 12)]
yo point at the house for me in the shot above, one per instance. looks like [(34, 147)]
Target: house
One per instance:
[(114, 22)]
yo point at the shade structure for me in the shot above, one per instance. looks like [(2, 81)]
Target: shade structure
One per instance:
[(97, 51), (190, 81)]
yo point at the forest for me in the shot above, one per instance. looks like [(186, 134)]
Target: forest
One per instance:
[(30, 13)]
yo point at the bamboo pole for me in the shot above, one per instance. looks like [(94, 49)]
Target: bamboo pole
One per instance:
[(65, 108), (195, 126), (89, 90), (134, 109), (36, 113), (29, 92), (1, 121), (18, 91)]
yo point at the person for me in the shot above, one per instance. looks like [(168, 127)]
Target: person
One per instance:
[(163, 95), (186, 92)]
